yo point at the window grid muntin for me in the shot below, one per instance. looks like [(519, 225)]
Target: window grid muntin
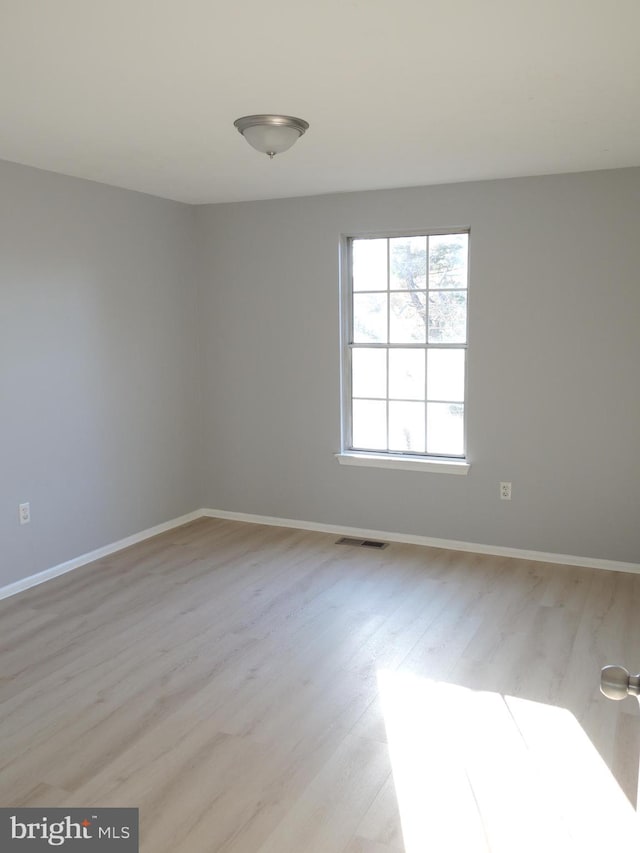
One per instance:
[(388, 346)]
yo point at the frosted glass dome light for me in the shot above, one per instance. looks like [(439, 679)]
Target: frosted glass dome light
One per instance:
[(271, 134)]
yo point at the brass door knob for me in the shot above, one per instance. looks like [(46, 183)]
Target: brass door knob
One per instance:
[(617, 683)]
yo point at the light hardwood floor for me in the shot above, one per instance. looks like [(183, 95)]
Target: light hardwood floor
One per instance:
[(263, 690)]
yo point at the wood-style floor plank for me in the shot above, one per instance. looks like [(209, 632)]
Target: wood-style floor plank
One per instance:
[(262, 690)]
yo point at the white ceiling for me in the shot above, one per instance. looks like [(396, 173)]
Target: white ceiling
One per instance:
[(143, 93)]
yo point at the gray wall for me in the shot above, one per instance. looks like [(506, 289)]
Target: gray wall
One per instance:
[(155, 358), (554, 359), (98, 366)]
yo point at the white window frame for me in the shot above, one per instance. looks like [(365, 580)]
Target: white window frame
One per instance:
[(382, 458)]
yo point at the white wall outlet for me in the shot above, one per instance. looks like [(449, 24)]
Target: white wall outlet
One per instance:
[(24, 512), (505, 491)]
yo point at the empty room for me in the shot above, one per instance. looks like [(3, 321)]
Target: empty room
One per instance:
[(319, 402)]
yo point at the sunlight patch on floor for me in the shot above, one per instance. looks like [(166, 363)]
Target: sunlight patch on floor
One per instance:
[(478, 771)]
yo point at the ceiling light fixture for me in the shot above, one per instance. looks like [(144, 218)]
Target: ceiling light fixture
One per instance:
[(271, 134)]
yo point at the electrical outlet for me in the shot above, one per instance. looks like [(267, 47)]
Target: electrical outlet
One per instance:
[(24, 512), (505, 491)]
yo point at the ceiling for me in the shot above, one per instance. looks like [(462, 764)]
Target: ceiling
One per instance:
[(143, 93)]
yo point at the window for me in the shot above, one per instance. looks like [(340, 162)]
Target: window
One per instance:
[(405, 346)]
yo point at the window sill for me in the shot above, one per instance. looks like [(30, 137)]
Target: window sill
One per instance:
[(404, 463)]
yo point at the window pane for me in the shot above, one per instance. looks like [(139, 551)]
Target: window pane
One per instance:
[(408, 263), (370, 317), (448, 255), (445, 374), (370, 264), (406, 427), (406, 374), (408, 318), (369, 372), (448, 317), (408, 347), (445, 433), (369, 425)]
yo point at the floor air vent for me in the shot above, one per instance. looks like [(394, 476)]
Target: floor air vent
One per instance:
[(361, 543)]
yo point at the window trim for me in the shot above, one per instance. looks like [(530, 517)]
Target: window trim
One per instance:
[(410, 462), (382, 458)]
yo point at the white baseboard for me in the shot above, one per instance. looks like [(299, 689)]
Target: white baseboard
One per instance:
[(70, 565), (338, 529), (449, 544)]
